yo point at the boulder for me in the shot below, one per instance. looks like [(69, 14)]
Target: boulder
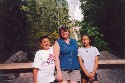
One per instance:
[(18, 57)]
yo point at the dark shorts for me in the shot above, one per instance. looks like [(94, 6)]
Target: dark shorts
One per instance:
[(54, 81), (83, 76)]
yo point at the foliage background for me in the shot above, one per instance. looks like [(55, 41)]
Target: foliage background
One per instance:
[(106, 18), (23, 21)]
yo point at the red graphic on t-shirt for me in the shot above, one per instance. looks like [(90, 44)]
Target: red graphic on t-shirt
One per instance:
[(50, 59)]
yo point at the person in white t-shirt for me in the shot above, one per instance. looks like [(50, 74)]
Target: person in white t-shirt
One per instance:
[(44, 62), (88, 59)]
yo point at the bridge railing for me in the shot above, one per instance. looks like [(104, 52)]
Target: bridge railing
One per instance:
[(102, 64)]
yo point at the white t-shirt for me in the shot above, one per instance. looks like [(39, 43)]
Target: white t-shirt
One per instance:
[(45, 62), (88, 56)]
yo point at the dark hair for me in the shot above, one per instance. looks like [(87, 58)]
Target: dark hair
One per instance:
[(62, 28), (90, 37), (42, 37), (85, 34)]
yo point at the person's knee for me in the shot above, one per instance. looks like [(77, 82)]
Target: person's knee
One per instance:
[(73, 82), (64, 82), (84, 81)]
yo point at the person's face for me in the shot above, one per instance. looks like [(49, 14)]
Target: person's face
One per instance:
[(64, 34), (45, 44), (85, 41)]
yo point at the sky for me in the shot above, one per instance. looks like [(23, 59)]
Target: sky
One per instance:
[(74, 10)]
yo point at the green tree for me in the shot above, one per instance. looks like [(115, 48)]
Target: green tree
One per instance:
[(95, 35), (108, 17), (87, 25), (23, 21), (13, 28), (44, 18)]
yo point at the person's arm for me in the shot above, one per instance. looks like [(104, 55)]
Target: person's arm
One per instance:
[(97, 54), (95, 65), (56, 50), (36, 65), (35, 71), (82, 66)]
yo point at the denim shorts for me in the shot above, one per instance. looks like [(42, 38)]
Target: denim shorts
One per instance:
[(83, 76)]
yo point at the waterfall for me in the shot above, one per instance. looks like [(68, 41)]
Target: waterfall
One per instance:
[(75, 14)]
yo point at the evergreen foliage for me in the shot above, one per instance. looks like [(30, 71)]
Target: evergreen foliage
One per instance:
[(88, 27), (109, 19), (24, 21)]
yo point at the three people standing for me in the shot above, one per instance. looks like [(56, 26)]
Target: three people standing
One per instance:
[(68, 59)]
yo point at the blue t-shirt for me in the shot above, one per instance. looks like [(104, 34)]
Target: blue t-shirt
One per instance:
[(68, 55)]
